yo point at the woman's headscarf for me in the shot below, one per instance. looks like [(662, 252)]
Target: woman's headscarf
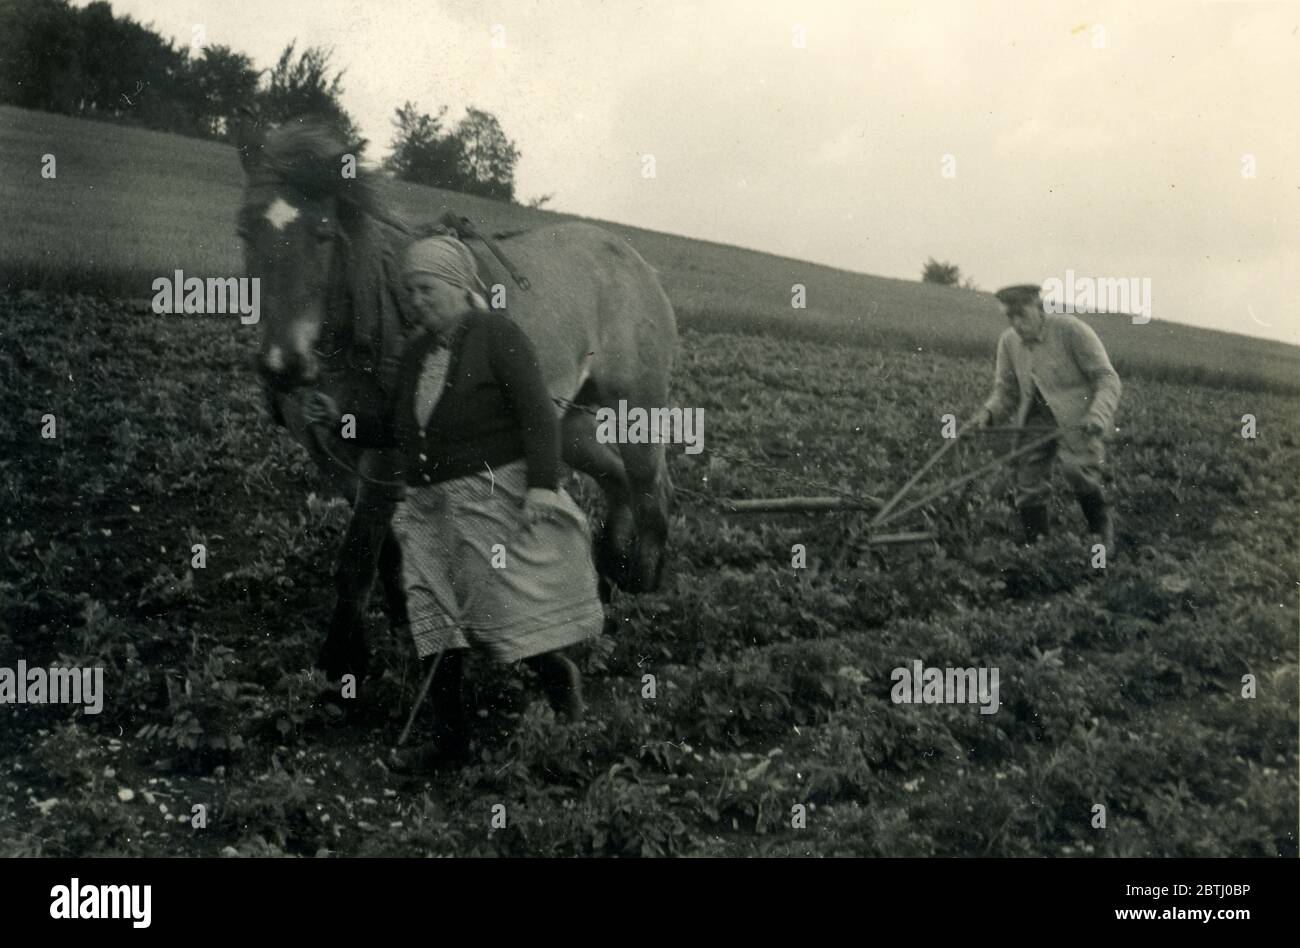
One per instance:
[(446, 258)]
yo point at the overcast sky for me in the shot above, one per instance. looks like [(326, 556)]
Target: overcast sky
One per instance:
[(1105, 138)]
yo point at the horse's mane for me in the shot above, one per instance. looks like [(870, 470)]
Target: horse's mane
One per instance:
[(307, 155), (363, 299)]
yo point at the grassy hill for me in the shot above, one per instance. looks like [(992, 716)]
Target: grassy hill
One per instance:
[(128, 205)]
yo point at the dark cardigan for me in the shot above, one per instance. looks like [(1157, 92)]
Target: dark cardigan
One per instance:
[(495, 407)]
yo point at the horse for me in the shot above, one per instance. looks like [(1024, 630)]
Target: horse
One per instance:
[(327, 250)]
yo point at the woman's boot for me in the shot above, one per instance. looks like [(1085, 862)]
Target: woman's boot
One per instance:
[(450, 742), (562, 683)]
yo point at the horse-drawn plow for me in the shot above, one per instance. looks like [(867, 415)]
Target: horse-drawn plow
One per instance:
[(892, 510)]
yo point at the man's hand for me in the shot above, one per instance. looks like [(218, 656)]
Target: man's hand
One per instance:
[(319, 409), (540, 504), (981, 419)]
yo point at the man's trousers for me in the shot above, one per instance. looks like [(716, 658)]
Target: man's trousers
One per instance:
[(1081, 455)]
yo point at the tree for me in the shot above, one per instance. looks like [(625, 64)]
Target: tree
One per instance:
[(474, 158), (131, 72), (218, 83), (40, 45), (489, 161), (943, 274), (89, 62), (305, 87), (423, 151), (86, 61)]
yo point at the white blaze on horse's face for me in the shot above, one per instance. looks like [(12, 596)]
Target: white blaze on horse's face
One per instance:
[(281, 213), (289, 244)]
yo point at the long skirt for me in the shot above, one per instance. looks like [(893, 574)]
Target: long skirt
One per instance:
[(474, 575)]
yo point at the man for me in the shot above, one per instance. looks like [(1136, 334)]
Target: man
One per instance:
[(1052, 370)]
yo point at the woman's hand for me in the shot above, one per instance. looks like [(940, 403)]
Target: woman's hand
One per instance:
[(319, 409), (540, 504)]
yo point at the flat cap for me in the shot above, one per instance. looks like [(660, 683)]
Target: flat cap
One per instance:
[(1018, 295)]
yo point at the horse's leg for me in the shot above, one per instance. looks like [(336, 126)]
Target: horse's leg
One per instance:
[(651, 498), (367, 542), (390, 575), (344, 651), (368, 533), (643, 382), (581, 450)]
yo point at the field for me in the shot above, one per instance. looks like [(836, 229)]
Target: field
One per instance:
[(143, 204), (1121, 687)]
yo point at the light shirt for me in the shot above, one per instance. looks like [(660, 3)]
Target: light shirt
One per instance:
[(1068, 364), (433, 379)]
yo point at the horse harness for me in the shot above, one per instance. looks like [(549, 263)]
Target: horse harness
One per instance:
[(449, 224)]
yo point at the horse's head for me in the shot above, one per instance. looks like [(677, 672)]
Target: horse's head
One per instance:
[(298, 214)]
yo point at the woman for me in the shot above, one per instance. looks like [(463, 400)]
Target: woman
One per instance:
[(494, 554)]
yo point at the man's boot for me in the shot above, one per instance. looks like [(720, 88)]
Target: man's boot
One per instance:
[(1033, 519), (1101, 522)]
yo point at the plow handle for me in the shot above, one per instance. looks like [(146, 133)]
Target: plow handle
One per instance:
[(880, 517), (966, 478)]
